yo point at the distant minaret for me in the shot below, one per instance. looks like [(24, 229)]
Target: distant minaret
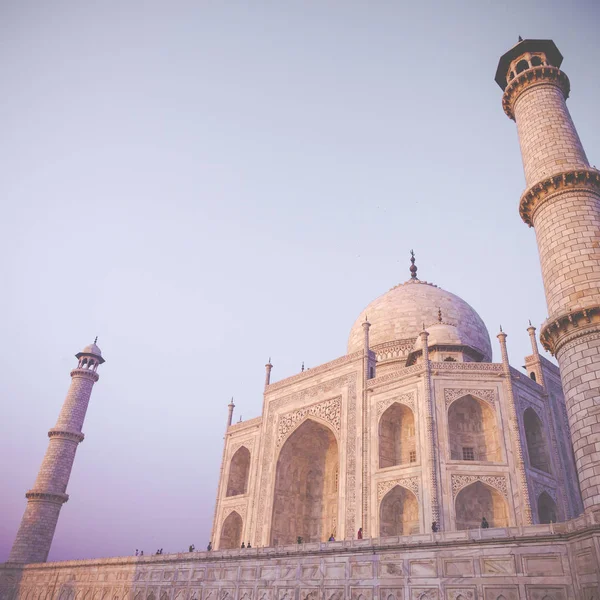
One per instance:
[(48, 494), (562, 202)]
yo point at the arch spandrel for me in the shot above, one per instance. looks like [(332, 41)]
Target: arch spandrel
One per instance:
[(306, 418), (488, 396)]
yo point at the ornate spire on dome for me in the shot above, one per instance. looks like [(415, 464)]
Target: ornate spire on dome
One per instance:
[(413, 267)]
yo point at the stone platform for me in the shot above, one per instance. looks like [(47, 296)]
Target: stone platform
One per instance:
[(539, 562)]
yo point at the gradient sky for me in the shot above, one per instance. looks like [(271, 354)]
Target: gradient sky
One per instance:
[(207, 184)]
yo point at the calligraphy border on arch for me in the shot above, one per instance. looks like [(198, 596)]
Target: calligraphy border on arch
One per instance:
[(269, 463)]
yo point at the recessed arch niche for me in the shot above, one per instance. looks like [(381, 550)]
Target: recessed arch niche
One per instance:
[(305, 502), (398, 513), (396, 436), (231, 532), (478, 500), (473, 431), (547, 509), (537, 447), (239, 468)]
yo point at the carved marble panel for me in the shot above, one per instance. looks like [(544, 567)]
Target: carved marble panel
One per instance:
[(245, 594), (264, 594), (458, 567), (328, 411), (585, 562), (309, 593), (361, 570), (391, 569), (268, 572), (335, 571), (333, 593), (421, 593), (423, 568), (498, 565), (248, 573), (361, 593), (501, 592), (392, 593), (461, 593), (542, 564), (310, 571), (227, 594), (229, 574), (285, 593), (535, 592)]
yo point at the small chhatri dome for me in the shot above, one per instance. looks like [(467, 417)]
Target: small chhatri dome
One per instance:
[(400, 314)]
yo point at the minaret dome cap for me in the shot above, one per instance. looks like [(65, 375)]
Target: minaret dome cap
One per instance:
[(91, 349), (548, 47)]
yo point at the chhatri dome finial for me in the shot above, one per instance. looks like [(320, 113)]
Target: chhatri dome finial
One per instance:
[(413, 267), (520, 39), (96, 339), (439, 315)]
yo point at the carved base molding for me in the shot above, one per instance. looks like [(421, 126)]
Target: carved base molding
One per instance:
[(557, 332), (46, 497), (553, 186), (535, 76)]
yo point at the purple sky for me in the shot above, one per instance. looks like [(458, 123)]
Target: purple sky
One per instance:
[(207, 184)]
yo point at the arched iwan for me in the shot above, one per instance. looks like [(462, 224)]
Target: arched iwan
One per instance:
[(305, 502)]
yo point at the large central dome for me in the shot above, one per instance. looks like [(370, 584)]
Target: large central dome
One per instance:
[(401, 313)]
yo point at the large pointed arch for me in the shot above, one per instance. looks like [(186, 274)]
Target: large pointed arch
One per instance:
[(478, 500), (305, 501), (398, 513)]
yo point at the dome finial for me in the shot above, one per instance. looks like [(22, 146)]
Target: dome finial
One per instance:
[(413, 267), (96, 339), (520, 39), (439, 314)]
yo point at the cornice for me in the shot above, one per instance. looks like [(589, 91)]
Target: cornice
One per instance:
[(529, 78), (559, 331), (74, 436), (548, 188), (33, 495)]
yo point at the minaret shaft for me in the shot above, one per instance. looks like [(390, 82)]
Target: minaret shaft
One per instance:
[(562, 203), (48, 494)]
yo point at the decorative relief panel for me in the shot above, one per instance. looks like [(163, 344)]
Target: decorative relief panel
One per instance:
[(410, 483), (395, 593), (329, 411), (504, 592), (333, 594), (545, 592), (248, 443), (497, 482), (452, 394), (407, 399)]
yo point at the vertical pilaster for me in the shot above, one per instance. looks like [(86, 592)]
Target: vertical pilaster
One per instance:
[(562, 203), (45, 499), (515, 435), (431, 432), (268, 368), (365, 435)]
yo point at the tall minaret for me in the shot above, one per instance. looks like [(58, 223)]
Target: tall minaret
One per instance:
[(562, 202), (48, 494)]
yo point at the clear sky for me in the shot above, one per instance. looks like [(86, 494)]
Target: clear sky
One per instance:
[(207, 184)]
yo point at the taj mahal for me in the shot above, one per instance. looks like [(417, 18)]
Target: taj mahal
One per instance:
[(369, 477)]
